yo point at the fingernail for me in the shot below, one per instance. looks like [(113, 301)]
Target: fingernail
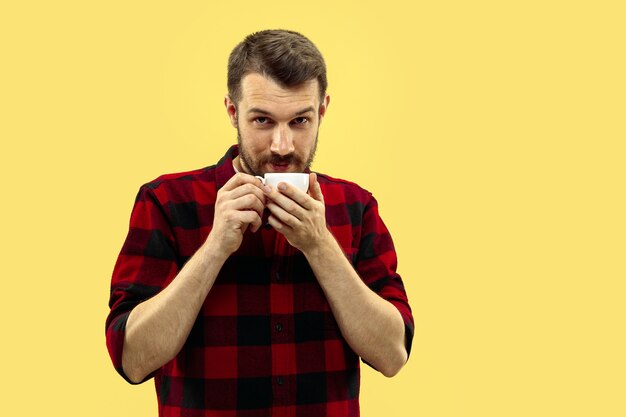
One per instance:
[(282, 186)]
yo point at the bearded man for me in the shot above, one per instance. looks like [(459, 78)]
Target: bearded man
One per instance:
[(241, 299)]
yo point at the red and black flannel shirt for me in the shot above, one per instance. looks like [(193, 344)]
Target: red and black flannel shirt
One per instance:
[(265, 342)]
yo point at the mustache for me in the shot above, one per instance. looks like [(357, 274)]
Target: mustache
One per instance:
[(284, 159)]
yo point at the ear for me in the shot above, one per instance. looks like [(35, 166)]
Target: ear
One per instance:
[(231, 110), (324, 107)]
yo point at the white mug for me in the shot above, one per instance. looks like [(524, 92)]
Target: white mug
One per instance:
[(297, 179)]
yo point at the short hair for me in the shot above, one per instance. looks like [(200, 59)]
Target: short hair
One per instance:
[(285, 56)]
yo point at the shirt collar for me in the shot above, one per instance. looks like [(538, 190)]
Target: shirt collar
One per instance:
[(224, 169)]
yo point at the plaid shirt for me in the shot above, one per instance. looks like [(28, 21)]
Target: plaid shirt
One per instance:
[(265, 342)]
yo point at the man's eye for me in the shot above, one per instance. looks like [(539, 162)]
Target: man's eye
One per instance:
[(261, 120), (300, 120)]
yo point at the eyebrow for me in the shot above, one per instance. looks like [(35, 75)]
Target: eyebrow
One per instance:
[(265, 112)]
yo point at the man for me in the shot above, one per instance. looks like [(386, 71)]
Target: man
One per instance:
[(241, 299)]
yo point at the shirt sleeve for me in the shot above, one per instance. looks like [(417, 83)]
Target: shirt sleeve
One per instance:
[(376, 264), (145, 265)]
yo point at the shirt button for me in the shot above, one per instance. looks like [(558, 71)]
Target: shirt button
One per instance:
[(279, 327), (279, 380), (277, 276)]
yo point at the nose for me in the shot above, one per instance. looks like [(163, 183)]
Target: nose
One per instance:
[(282, 141)]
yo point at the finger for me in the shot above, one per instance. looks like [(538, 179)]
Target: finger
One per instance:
[(246, 189), (278, 225), (249, 218), (246, 202), (283, 215), (295, 194), (315, 190), (286, 203), (240, 178), (253, 219)]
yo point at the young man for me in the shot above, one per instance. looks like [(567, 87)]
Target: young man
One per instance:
[(241, 299)]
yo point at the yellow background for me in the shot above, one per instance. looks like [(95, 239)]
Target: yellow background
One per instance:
[(491, 132)]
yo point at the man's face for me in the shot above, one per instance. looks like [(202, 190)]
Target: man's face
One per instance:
[(276, 126)]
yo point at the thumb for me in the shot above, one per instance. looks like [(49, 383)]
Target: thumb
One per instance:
[(315, 190)]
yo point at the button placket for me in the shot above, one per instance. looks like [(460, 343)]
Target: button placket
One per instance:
[(281, 321)]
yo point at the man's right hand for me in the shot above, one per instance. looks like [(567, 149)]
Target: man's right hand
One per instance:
[(157, 328), (239, 205)]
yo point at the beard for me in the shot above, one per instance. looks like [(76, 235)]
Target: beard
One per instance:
[(255, 164)]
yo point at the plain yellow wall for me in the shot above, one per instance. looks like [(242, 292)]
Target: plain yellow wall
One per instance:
[(491, 132)]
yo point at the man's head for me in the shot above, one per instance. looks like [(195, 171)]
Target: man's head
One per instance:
[(276, 100), (284, 56)]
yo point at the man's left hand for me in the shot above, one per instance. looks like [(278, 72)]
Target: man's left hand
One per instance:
[(299, 216)]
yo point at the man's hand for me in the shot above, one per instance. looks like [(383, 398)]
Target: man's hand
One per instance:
[(239, 205), (299, 216), (372, 326), (157, 328)]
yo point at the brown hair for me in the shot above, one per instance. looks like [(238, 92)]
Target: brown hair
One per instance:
[(286, 57)]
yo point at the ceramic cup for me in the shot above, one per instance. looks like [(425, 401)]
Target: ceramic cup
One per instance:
[(297, 179)]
